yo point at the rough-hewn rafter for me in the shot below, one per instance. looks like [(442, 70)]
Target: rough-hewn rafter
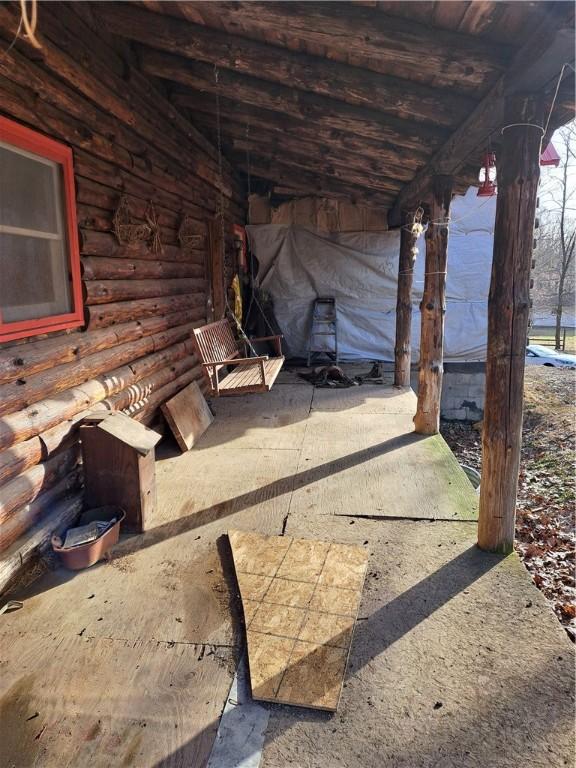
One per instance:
[(390, 95), (339, 171), (273, 144), (375, 41), (347, 144), (279, 173), (306, 106)]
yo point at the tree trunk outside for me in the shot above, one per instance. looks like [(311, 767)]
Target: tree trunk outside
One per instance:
[(508, 310), (432, 310), (559, 309)]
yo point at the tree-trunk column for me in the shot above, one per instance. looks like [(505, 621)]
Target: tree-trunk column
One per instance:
[(518, 168), (409, 233), (433, 309)]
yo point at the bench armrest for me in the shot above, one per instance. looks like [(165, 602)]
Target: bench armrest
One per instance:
[(276, 339), (237, 361)]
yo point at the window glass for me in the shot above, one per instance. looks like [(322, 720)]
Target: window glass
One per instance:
[(34, 275), (34, 278), (31, 191)]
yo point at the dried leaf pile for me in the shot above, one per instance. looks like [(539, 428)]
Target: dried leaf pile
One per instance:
[(545, 537)]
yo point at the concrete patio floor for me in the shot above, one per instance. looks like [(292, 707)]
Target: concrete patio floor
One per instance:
[(456, 659)]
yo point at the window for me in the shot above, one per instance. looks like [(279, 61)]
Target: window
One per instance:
[(40, 285)]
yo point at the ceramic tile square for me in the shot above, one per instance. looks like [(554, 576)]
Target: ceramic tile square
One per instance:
[(268, 657), (255, 553), (252, 586), (286, 592), (314, 676), (327, 629), (278, 620), (335, 600)]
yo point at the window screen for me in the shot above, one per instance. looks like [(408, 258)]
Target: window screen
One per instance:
[(35, 281)]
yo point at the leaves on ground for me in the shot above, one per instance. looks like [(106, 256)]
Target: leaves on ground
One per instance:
[(545, 537)]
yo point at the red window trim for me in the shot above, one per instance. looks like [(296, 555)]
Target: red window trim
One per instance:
[(32, 141)]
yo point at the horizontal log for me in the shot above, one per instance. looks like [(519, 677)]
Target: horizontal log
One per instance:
[(19, 458), (392, 96), (155, 116), (104, 315), (106, 291), (59, 516), (27, 486), (146, 409), (148, 96), (46, 414), (21, 520), (106, 244), (24, 392), (144, 389), (99, 268), (93, 217), (118, 179), (177, 356), (377, 42), (318, 110), (106, 198), (71, 69), (25, 360), (27, 107)]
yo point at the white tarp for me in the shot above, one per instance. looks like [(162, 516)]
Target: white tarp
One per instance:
[(360, 271)]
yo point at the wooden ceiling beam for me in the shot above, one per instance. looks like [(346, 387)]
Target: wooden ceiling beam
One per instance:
[(536, 67), (340, 172), (285, 175), (245, 115), (275, 144), (346, 32), (393, 96), (318, 110)]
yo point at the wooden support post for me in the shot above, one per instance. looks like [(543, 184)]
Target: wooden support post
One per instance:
[(433, 309), (518, 167), (409, 233)]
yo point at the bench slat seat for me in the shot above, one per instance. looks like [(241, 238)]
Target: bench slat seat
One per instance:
[(217, 348)]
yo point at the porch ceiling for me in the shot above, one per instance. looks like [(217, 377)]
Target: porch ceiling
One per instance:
[(361, 100)]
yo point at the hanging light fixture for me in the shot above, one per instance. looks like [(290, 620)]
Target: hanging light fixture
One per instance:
[(487, 175)]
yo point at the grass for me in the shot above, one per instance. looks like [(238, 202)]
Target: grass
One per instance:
[(546, 336)]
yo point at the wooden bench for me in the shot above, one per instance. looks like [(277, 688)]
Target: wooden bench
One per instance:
[(217, 348)]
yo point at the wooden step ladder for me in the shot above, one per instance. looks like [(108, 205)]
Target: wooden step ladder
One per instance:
[(323, 339)]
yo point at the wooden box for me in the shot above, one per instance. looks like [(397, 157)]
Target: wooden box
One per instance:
[(119, 468)]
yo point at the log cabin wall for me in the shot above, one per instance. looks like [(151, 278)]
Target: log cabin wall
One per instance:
[(134, 351)]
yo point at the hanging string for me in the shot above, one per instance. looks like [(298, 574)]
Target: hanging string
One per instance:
[(30, 22), (526, 125), (220, 212)]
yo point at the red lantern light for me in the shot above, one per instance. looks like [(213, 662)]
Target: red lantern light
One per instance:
[(487, 176)]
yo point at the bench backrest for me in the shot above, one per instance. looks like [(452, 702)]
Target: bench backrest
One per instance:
[(216, 342)]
